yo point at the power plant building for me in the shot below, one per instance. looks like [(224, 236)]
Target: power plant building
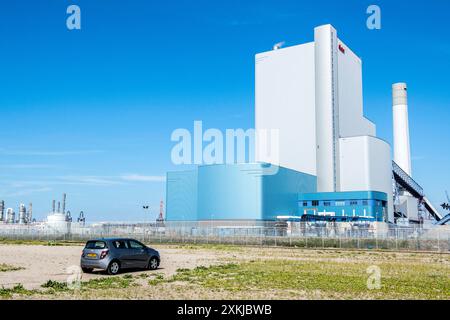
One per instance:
[(312, 93), (330, 164)]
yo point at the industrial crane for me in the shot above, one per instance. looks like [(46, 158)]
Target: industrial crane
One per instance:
[(446, 205)]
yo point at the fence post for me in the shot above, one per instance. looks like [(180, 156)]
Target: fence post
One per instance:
[(376, 241), (323, 240), (396, 239), (439, 244)]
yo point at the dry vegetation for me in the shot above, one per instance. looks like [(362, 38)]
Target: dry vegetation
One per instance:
[(6, 267), (229, 272)]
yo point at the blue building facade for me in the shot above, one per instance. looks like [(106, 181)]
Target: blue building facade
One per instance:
[(343, 206), (181, 195), (260, 192), (252, 191)]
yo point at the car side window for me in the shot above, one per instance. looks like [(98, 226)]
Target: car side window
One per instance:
[(135, 245), (120, 244)]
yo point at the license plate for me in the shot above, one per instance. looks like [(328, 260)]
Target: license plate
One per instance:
[(91, 255)]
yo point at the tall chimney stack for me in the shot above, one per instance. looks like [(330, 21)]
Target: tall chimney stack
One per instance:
[(402, 150), (53, 206), (30, 213), (64, 204), (2, 211), (22, 214), (59, 207)]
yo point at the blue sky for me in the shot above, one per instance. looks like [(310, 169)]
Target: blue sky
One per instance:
[(90, 112)]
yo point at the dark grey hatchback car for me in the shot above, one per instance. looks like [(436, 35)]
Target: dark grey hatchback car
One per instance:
[(116, 254)]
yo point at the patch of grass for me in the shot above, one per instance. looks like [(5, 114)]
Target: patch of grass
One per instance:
[(339, 279), (116, 282), (39, 242), (6, 267), (56, 286), (206, 246), (52, 243), (159, 278), (17, 289), (109, 283)]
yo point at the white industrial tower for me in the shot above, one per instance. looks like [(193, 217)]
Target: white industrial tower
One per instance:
[(312, 94), (406, 204), (402, 151), (327, 108)]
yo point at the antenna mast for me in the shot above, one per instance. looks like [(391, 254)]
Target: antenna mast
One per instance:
[(160, 220)]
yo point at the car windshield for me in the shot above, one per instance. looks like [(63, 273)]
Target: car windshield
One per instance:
[(95, 245), (136, 245)]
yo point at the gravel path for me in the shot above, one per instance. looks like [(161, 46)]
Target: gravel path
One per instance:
[(42, 263)]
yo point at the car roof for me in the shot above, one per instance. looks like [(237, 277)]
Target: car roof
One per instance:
[(111, 239)]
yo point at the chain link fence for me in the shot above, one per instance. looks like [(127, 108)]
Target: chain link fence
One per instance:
[(292, 234)]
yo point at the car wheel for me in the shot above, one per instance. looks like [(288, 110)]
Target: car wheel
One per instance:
[(153, 263), (114, 267), (87, 270)]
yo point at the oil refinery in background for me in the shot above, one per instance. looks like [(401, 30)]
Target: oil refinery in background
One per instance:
[(59, 223), (59, 220)]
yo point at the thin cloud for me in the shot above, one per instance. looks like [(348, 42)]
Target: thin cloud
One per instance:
[(24, 187), (26, 192), (25, 184), (143, 178), (28, 166), (103, 181), (48, 153), (89, 180)]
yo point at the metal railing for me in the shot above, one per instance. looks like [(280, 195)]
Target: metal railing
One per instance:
[(295, 234)]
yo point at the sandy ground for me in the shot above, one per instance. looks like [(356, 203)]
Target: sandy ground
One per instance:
[(43, 263)]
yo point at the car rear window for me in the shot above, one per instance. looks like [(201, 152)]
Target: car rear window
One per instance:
[(95, 245)]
